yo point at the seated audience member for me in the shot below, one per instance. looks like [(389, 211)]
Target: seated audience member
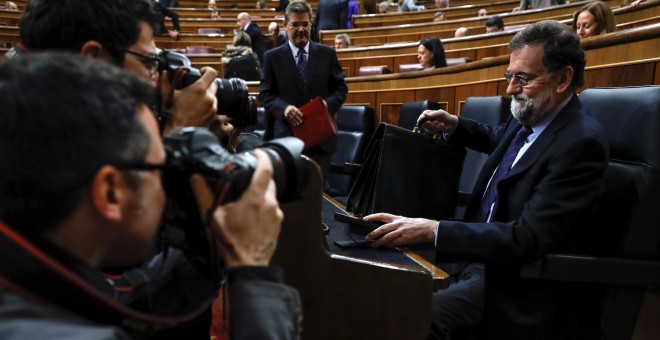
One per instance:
[(494, 24), (440, 4), (536, 4), (383, 7), (120, 32), (163, 7), (242, 47), (439, 16), (410, 5), (11, 6), (97, 206), (593, 19), (261, 4), (353, 9), (461, 32), (431, 53), (482, 12), (537, 193), (342, 41), (278, 36), (213, 7)]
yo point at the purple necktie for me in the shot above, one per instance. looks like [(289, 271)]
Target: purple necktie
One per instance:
[(502, 170), (302, 62)]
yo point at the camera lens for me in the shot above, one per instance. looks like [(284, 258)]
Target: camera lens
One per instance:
[(233, 96)]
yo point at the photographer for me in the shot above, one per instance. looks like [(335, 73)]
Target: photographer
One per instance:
[(120, 32), (81, 194)]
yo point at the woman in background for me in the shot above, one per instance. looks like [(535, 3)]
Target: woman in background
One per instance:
[(593, 19), (431, 53)]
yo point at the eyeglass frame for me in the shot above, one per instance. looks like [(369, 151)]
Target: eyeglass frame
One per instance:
[(297, 25), (522, 80), (153, 58), (142, 166)]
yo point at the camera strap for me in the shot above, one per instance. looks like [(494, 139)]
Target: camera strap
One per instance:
[(35, 275)]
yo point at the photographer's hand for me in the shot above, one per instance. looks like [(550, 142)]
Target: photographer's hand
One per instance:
[(246, 230), (195, 105)]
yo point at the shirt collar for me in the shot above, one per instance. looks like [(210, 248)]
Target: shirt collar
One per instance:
[(295, 49), (543, 123)]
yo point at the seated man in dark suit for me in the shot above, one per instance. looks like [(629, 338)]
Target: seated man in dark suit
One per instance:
[(285, 86), (245, 23), (557, 159)]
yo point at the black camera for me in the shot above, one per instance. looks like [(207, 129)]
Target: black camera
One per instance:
[(233, 98), (196, 150)]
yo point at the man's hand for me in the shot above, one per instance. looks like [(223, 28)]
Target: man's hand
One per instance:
[(438, 121), (246, 230), (195, 105), (399, 230), (293, 115)]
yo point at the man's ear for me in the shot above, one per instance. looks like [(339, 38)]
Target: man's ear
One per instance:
[(94, 49), (565, 80), (108, 193)]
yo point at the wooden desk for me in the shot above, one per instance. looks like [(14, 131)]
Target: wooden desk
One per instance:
[(346, 297)]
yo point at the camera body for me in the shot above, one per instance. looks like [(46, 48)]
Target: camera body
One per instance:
[(196, 150), (234, 100)]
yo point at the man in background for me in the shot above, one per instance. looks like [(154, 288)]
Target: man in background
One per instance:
[(330, 15), (244, 22), (439, 16), (494, 24), (296, 73), (342, 41)]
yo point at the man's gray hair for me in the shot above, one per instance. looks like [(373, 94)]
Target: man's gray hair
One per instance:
[(344, 37)]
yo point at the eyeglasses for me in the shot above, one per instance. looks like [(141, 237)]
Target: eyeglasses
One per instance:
[(142, 166), (520, 78), (297, 25), (150, 61)]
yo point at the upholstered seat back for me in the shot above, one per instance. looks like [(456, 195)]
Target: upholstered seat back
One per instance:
[(487, 110), (373, 70), (355, 126), (631, 119), (410, 111)]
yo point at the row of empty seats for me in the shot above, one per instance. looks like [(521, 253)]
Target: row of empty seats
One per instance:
[(403, 68)]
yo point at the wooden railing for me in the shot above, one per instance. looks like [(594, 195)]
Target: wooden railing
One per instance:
[(408, 32)]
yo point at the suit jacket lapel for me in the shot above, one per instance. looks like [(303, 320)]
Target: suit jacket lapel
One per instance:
[(546, 138)]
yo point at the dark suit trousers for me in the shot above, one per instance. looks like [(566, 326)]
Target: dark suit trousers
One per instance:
[(322, 158), (461, 305)]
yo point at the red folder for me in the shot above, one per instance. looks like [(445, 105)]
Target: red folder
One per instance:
[(317, 125)]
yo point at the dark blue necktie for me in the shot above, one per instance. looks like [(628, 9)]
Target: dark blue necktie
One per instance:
[(502, 170), (302, 62)]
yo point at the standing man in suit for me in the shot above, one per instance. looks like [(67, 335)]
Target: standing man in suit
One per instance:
[(330, 15), (244, 22), (284, 89), (543, 204)]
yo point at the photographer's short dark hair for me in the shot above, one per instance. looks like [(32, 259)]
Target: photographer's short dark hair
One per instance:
[(495, 20), (63, 118), (561, 47), (68, 24)]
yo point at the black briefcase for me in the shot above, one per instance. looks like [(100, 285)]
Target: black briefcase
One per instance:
[(407, 173)]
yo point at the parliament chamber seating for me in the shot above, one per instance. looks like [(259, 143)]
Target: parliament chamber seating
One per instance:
[(493, 111), (355, 126), (198, 49), (374, 70), (206, 30), (410, 111), (623, 243)]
